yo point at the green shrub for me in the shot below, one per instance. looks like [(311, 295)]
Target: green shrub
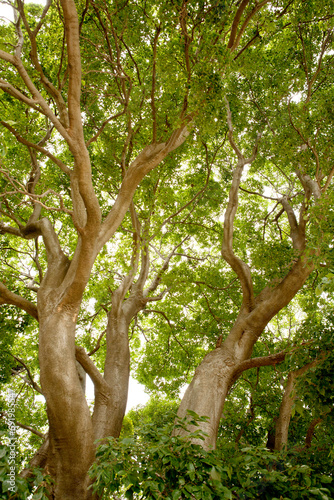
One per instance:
[(160, 466)]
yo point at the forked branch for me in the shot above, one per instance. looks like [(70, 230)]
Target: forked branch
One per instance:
[(147, 160), (240, 268)]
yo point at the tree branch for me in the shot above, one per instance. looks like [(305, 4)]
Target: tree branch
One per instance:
[(257, 7), (10, 298), (147, 160), (270, 360), (37, 102), (235, 23), (31, 380), (154, 111), (74, 66), (31, 429), (157, 279), (91, 369), (156, 311), (49, 87), (119, 294), (297, 232), (38, 147), (44, 228), (240, 268)]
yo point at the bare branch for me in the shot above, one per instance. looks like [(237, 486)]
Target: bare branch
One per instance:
[(10, 298), (38, 147), (31, 429), (241, 268), (91, 369), (30, 381)]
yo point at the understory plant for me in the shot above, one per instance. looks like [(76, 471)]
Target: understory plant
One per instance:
[(159, 464)]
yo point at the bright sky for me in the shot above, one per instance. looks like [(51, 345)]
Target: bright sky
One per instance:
[(136, 395), (6, 11)]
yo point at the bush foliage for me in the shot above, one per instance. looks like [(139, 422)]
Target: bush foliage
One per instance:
[(158, 465)]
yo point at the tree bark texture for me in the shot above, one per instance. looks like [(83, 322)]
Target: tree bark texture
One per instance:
[(71, 431)]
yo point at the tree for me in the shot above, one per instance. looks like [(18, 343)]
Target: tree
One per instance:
[(220, 368), (107, 102)]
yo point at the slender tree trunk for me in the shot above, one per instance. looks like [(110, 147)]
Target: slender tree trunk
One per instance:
[(310, 431), (283, 421), (289, 397), (117, 370)]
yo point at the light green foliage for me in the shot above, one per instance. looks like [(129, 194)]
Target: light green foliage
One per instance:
[(158, 466), (127, 427), (159, 412)]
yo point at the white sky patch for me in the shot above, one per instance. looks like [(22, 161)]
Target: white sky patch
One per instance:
[(296, 97), (6, 11), (137, 395)]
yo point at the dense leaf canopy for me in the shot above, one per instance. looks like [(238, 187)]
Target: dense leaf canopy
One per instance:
[(166, 168)]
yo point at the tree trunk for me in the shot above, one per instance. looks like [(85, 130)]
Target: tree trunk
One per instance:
[(110, 410), (71, 432), (213, 379), (289, 397), (207, 392), (221, 368), (310, 431), (283, 421)]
